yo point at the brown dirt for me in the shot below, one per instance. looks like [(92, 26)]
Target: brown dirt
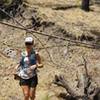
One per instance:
[(75, 22)]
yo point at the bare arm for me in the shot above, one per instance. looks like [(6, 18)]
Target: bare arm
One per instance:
[(17, 66), (39, 62)]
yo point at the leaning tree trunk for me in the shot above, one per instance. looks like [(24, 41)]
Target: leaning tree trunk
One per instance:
[(85, 5)]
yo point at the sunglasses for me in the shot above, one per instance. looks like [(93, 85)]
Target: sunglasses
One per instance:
[(28, 43)]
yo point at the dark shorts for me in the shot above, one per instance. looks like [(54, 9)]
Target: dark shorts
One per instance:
[(32, 82)]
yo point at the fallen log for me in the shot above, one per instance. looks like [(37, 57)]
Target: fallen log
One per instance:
[(60, 81), (90, 92)]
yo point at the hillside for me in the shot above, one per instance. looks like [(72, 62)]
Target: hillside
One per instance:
[(59, 18)]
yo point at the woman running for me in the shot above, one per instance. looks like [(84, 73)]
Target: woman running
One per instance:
[(29, 62)]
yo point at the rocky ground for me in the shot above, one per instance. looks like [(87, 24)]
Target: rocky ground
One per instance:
[(54, 17)]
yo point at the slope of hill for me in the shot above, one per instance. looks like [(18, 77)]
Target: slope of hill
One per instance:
[(54, 17)]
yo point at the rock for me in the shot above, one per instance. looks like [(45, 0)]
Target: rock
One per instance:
[(10, 52)]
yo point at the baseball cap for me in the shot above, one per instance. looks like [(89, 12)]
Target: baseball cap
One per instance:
[(29, 40)]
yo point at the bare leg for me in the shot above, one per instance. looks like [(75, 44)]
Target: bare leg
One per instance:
[(26, 92), (32, 93)]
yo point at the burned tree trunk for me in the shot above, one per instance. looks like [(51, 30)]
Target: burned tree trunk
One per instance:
[(85, 5)]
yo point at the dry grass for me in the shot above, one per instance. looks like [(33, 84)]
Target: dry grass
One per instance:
[(72, 20)]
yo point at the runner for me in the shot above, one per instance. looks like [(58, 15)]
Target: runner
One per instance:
[(27, 69)]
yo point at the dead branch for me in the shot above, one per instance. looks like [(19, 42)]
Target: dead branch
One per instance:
[(85, 66), (90, 93), (87, 80), (28, 31), (60, 81), (45, 49)]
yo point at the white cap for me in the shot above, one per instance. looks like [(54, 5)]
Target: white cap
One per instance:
[(29, 40)]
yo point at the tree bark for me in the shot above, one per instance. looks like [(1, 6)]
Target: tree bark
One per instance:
[(85, 5)]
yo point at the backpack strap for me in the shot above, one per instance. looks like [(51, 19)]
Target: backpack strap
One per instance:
[(24, 54)]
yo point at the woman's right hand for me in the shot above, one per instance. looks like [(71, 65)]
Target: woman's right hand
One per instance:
[(15, 69), (33, 67)]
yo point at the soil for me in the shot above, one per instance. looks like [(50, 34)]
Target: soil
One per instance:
[(53, 17)]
